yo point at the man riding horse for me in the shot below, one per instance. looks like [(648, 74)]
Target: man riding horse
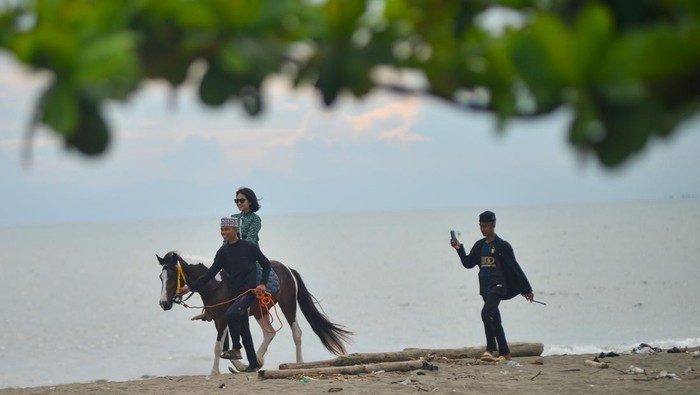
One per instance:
[(237, 257)]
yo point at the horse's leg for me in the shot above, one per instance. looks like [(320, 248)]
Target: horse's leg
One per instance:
[(221, 337), (267, 338), (288, 303), (296, 335)]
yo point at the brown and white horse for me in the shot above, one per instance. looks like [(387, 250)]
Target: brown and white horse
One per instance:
[(177, 272)]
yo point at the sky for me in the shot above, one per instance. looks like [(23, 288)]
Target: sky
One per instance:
[(171, 157)]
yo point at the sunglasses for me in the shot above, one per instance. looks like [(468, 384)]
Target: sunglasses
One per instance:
[(239, 200)]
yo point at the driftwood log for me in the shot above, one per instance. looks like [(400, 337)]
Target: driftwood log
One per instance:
[(516, 350), (402, 366)]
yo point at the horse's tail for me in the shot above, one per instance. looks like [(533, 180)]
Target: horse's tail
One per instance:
[(332, 335)]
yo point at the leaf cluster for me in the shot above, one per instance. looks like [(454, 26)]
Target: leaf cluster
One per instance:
[(628, 70)]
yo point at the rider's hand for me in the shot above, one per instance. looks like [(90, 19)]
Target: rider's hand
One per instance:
[(260, 289)]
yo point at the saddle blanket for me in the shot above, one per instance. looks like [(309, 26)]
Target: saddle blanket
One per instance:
[(273, 282)]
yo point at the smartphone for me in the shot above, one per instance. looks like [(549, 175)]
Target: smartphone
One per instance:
[(452, 236)]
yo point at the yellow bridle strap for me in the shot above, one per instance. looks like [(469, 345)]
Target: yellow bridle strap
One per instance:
[(180, 274)]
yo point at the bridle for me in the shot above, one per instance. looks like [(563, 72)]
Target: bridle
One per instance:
[(181, 280)]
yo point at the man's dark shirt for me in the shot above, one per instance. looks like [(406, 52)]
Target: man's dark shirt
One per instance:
[(238, 261), (497, 261)]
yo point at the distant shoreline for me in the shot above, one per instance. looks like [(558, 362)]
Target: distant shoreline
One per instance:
[(120, 220)]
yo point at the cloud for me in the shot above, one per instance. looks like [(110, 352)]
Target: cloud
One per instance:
[(150, 134), (271, 143), (393, 118)]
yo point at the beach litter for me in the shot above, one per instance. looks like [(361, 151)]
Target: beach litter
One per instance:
[(667, 375), (596, 364), (635, 370), (644, 348)]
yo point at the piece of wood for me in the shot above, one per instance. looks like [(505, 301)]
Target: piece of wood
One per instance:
[(402, 366), (516, 350)]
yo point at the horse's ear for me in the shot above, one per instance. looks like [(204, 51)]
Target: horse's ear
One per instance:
[(160, 260)]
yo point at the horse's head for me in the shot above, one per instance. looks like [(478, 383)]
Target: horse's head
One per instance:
[(169, 278)]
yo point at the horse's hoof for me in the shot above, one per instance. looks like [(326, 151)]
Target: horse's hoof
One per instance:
[(232, 370)]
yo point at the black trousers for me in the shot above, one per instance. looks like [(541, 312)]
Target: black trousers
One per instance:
[(238, 326), (492, 324)]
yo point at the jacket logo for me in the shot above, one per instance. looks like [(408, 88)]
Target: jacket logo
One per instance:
[(488, 261)]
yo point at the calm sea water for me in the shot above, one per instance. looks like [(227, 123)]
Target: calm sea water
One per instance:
[(81, 300)]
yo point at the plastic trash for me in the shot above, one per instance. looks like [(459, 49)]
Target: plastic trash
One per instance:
[(635, 370)]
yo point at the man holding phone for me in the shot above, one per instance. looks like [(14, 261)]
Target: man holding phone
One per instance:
[(500, 278)]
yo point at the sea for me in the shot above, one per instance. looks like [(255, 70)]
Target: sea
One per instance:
[(80, 300)]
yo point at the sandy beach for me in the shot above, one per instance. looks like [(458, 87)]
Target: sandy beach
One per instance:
[(657, 373)]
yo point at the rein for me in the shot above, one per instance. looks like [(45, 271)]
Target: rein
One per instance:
[(264, 300)]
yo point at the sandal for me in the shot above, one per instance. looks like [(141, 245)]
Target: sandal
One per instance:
[(231, 354)]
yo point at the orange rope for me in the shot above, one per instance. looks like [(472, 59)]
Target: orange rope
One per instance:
[(264, 299)]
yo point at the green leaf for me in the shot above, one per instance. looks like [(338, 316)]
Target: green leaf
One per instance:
[(106, 57), (217, 85), (59, 108), (91, 136), (555, 40), (252, 102), (593, 33), (107, 66)]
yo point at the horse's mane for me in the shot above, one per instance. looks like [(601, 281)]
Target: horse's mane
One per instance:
[(194, 259), (198, 266)]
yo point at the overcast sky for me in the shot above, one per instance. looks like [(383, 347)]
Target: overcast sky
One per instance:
[(174, 158)]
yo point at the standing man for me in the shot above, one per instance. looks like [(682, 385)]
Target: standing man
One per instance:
[(237, 257), (500, 278)]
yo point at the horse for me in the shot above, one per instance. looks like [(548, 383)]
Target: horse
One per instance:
[(176, 272)]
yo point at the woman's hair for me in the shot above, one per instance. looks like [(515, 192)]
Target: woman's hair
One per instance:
[(250, 195)]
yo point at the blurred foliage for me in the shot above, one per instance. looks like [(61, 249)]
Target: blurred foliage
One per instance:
[(628, 70)]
